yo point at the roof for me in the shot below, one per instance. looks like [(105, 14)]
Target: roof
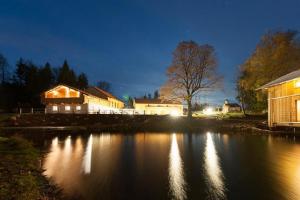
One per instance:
[(232, 105), (64, 85), (288, 77), (155, 101), (92, 91), (100, 93)]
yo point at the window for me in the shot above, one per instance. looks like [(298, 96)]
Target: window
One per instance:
[(67, 108), (54, 108), (78, 108)]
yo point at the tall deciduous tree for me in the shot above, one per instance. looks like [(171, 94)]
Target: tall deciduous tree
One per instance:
[(277, 54), (193, 70)]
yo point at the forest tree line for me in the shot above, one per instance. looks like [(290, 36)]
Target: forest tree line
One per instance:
[(23, 86)]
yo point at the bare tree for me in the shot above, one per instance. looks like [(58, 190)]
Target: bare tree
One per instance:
[(193, 69)]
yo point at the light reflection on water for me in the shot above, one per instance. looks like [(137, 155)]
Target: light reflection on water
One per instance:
[(87, 159), (176, 173), (213, 170), (167, 166)]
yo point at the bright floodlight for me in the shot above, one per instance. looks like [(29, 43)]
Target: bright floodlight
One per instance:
[(208, 111), (174, 113)]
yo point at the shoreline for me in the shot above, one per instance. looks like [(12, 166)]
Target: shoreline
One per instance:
[(135, 123)]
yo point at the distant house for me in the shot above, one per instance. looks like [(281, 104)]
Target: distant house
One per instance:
[(284, 100), (230, 107), (157, 107), (66, 99)]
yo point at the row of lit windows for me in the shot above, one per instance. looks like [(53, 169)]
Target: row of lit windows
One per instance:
[(67, 108), (114, 104)]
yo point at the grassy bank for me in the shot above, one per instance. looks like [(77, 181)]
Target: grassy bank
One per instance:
[(4, 117), (20, 172)]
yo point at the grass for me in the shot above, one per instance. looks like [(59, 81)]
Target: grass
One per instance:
[(20, 173), (5, 116)]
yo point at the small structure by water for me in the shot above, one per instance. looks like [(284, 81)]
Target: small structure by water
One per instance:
[(284, 100)]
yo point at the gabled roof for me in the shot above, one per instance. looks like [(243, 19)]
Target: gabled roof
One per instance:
[(64, 85), (232, 105), (100, 93), (288, 77), (92, 91), (155, 101)]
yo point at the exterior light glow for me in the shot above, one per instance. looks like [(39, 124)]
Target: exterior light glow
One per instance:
[(78, 108), (297, 84), (208, 111), (55, 93), (174, 113)]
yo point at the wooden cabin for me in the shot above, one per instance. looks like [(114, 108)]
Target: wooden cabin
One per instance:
[(66, 99), (158, 107), (284, 100)]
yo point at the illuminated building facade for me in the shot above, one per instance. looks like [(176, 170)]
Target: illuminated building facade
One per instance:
[(158, 107), (66, 99), (284, 100)]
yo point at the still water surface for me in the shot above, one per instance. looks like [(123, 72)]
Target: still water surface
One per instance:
[(175, 166)]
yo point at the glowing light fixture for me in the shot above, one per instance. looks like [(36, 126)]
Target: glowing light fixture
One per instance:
[(55, 93), (297, 84), (208, 111), (174, 113)]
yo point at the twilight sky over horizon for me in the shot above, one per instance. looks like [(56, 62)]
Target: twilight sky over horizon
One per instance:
[(130, 43)]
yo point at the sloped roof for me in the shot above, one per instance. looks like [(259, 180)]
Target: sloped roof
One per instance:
[(288, 77), (232, 105), (100, 93), (92, 91), (155, 101)]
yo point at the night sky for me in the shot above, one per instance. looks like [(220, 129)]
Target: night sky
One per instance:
[(130, 43)]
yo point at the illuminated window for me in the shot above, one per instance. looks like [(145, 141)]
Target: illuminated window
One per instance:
[(54, 108), (67, 108), (78, 107), (297, 84)]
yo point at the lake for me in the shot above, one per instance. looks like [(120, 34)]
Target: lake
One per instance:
[(174, 166)]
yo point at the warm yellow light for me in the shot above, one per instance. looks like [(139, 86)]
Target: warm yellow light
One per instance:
[(174, 113), (297, 84), (55, 93), (208, 111)]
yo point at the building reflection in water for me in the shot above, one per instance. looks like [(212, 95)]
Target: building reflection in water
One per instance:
[(213, 170), (87, 159), (176, 173)]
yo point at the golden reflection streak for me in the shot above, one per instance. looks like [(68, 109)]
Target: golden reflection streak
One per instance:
[(213, 170), (52, 158), (67, 151), (87, 159), (176, 174)]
